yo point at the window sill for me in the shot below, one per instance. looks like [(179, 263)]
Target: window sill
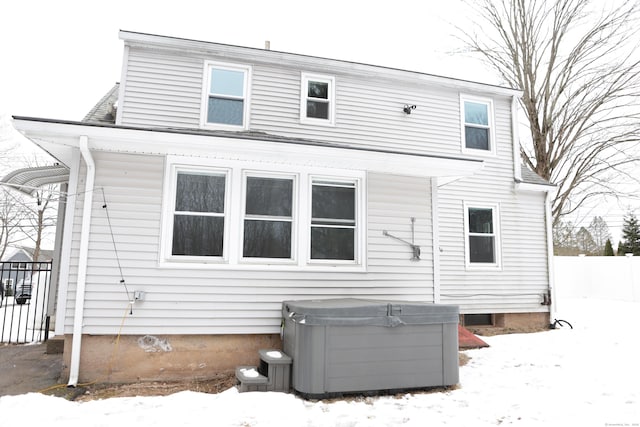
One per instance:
[(325, 267), (478, 152), (317, 122), (485, 267)]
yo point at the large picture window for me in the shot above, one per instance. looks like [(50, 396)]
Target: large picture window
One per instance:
[(477, 124), (268, 221), (199, 215), (333, 220), (482, 235), (226, 96)]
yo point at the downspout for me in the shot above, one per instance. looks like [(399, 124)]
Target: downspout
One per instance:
[(517, 169), (549, 223), (435, 232), (74, 369)]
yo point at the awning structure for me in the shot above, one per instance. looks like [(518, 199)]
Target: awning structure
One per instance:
[(28, 180)]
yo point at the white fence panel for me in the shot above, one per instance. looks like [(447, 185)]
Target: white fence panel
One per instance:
[(613, 277)]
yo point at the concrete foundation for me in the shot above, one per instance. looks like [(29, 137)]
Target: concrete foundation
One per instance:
[(123, 359), (512, 322)]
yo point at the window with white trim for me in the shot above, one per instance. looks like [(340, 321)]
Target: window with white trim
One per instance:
[(233, 214), (268, 227), (226, 96), (199, 214), (317, 104), (482, 236), (477, 126), (333, 220)]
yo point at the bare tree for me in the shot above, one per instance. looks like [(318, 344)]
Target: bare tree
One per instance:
[(580, 76), (586, 244), (599, 230), (10, 219)]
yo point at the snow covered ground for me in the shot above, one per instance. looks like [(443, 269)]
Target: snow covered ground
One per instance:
[(587, 376)]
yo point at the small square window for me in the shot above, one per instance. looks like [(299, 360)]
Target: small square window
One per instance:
[(226, 96), (317, 104), (477, 125)]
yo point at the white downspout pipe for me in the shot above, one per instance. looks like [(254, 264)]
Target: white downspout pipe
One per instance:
[(517, 170), (549, 223), (74, 368)]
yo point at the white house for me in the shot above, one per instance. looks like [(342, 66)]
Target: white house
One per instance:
[(216, 181)]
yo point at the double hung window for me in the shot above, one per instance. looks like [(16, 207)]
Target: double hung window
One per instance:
[(482, 236), (268, 219), (199, 214), (317, 102), (477, 124), (225, 101), (333, 220)]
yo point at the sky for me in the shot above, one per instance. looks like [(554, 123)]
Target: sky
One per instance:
[(58, 58), (586, 376)]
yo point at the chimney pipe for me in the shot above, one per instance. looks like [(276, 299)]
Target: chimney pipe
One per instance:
[(267, 45)]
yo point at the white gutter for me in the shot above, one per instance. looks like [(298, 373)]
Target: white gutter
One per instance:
[(74, 369)]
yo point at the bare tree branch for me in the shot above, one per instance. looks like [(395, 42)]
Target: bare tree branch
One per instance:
[(580, 77)]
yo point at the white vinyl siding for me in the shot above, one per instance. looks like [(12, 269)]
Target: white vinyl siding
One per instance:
[(368, 111), (522, 279), (186, 300), (163, 89)]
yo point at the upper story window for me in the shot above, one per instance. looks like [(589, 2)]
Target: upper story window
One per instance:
[(317, 104), (226, 96), (477, 115), (483, 243), (199, 214)]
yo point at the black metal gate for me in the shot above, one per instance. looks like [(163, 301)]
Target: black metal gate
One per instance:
[(24, 290)]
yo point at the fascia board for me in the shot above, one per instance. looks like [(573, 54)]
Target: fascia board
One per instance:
[(62, 138)]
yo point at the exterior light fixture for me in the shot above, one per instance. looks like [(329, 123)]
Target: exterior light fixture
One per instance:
[(407, 108)]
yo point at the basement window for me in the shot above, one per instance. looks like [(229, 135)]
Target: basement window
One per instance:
[(478, 320)]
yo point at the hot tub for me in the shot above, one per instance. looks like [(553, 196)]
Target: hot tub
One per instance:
[(343, 346)]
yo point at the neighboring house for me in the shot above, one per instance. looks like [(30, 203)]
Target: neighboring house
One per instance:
[(16, 265), (216, 181)]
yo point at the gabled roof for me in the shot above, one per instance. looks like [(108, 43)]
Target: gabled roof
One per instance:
[(13, 251), (105, 110)]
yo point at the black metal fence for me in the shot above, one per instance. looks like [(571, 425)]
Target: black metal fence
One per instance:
[(24, 297)]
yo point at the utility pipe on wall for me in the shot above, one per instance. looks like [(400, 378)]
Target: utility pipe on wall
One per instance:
[(74, 368), (549, 223)]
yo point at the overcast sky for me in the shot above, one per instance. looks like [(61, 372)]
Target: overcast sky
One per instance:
[(58, 58)]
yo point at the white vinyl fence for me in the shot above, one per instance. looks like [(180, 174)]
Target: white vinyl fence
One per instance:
[(613, 277)]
